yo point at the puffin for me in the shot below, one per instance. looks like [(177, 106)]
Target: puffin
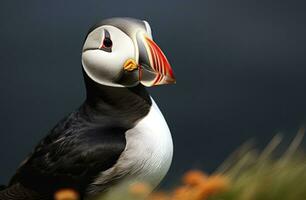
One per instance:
[(118, 136)]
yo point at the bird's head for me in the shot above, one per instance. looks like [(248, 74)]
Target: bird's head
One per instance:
[(120, 52)]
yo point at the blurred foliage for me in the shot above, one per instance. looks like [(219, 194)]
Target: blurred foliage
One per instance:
[(246, 175)]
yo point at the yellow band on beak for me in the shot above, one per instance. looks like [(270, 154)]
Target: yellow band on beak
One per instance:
[(130, 65)]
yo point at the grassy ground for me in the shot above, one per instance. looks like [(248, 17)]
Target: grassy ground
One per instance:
[(245, 175)]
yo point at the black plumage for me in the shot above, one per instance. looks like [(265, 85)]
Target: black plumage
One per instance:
[(82, 145)]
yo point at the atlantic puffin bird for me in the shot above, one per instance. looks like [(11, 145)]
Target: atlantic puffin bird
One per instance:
[(118, 136)]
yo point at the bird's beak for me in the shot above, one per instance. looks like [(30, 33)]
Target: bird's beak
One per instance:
[(154, 68)]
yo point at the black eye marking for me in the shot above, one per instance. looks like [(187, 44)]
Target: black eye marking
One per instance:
[(107, 42)]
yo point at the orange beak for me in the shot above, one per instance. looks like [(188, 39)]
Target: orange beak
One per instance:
[(154, 68)]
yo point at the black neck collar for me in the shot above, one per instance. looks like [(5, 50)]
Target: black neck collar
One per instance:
[(118, 103)]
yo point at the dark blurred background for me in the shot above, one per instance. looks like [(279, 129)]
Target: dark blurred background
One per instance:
[(240, 68)]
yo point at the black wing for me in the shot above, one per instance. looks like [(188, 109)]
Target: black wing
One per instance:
[(72, 155), (18, 192)]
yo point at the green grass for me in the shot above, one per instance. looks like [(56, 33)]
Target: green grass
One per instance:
[(264, 176)]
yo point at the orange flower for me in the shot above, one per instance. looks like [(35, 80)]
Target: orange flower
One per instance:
[(214, 184), (194, 177), (196, 186), (66, 194), (199, 187)]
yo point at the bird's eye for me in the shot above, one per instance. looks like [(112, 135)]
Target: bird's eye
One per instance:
[(107, 42)]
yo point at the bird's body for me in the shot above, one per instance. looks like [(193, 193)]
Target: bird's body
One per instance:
[(117, 137), (147, 156)]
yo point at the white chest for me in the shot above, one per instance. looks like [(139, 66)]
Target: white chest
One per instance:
[(149, 147)]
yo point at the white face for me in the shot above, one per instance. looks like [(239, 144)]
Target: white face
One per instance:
[(125, 56), (105, 51)]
